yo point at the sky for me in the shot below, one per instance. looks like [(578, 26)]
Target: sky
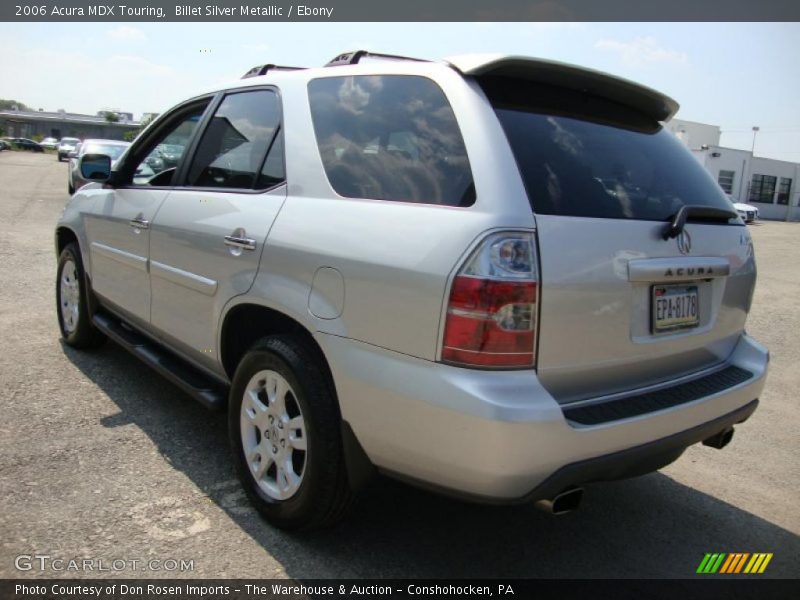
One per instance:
[(734, 75)]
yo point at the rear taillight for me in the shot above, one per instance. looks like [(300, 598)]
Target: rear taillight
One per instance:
[(491, 313)]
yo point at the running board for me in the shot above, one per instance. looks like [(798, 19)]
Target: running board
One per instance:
[(198, 385)]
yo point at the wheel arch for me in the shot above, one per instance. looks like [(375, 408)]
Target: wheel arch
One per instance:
[(65, 235), (246, 322)]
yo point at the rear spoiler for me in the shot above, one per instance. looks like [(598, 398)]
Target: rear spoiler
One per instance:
[(644, 99)]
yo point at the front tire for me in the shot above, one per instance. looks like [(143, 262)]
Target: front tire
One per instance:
[(72, 306), (285, 433)]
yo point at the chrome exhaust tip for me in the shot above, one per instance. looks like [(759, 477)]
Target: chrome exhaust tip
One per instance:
[(562, 503), (720, 440)]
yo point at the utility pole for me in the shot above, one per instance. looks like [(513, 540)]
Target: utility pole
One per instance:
[(750, 161), (792, 189)]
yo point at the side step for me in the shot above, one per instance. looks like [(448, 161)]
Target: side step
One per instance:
[(197, 384)]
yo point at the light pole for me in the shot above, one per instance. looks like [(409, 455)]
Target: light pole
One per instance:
[(755, 131), (750, 170)]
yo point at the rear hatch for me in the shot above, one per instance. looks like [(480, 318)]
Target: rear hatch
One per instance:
[(624, 302)]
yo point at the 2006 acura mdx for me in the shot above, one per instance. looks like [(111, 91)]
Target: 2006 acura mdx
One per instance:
[(498, 277)]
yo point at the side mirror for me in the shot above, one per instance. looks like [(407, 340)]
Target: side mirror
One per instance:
[(95, 167)]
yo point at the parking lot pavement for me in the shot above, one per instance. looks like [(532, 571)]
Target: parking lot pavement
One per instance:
[(102, 459)]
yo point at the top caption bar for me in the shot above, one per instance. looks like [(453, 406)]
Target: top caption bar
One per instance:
[(403, 10)]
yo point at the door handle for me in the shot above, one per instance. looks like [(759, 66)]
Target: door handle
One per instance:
[(139, 223), (244, 243)]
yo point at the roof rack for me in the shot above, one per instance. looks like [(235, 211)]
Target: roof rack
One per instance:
[(259, 70), (352, 58)]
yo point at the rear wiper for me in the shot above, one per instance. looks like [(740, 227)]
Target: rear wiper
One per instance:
[(701, 213)]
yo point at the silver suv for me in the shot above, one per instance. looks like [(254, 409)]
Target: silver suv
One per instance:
[(497, 277)]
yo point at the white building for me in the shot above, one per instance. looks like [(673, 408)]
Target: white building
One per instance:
[(771, 185), (694, 135)]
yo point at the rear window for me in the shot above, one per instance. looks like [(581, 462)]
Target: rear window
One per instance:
[(390, 137), (112, 150), (587, 157)]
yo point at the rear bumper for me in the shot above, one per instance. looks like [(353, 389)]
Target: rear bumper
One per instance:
[(500, 436), (639, 459)]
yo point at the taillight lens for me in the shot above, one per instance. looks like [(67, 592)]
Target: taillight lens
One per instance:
[(491, 312)]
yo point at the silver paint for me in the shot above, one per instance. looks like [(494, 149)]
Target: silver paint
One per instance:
[(495, 434)]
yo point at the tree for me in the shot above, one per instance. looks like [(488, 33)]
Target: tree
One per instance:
[(129, 136), (111, 117), (9, 104)]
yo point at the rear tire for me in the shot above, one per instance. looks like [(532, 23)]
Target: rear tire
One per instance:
[(294, 473), (72, 305)]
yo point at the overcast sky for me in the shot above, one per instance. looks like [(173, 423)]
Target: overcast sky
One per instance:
[(732, 75)]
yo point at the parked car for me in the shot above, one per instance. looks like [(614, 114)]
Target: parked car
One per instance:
[(419, 268), (110, 148), (65, 146), (170, 154), (748, 212), (155, 162), (26, 144), (5, 144), (49, 143)]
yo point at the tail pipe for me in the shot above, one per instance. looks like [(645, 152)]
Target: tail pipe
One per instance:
[(570, 499), (720, 440), (562, 503)]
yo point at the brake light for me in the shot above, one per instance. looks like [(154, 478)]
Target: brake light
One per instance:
[(491, 312)]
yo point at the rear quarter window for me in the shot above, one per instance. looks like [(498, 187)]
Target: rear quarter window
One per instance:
[(584, 156), (390, 137)]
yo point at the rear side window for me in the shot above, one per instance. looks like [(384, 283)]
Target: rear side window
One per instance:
[(233, 150), (390, 137), (586, 157)]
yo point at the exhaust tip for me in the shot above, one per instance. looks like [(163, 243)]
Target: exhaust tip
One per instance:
[(720, 440), (562, 503)]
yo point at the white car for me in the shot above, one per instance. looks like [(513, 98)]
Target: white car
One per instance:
[(748, 212), (65, 146)]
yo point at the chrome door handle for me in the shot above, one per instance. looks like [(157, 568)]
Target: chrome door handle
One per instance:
[(240, 242), (138, 223)]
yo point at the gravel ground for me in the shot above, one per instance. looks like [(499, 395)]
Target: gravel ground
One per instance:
[(100, 458)]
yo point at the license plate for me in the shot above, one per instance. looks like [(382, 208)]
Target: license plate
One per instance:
[(675, 307)]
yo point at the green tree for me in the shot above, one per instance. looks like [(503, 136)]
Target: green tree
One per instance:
[(112, 117), (9, 104), (129, 136)]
